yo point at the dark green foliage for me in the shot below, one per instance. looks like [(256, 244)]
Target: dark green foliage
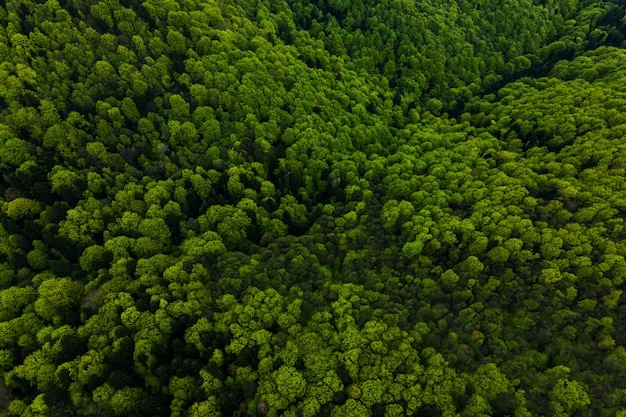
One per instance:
[(337, 208)]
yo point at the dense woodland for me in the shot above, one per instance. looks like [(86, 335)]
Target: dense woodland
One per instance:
[(335, 208)]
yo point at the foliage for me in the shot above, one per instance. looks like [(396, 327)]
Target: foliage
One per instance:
[(312, 209)]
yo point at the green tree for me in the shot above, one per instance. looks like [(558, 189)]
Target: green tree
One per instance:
[(351, 408), (180, 108), (498, 254), (568, 396), (22, 207), (57, 297), (15, 153), (176, 42)]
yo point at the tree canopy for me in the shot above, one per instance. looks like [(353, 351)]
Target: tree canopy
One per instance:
[(338, 208)]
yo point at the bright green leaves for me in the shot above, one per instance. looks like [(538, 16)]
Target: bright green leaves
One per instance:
[(105, 71), (126, 400), (498, 254), (293, 213), (61, 179), (394, 410), (157, 231), (550, 276), (209, 408), (434, 106), (182, 134), (472, 265), (37, 368), (13, 300), (229, 222), (318, 359), (489, 382), (290, 317), (177, 43), (550, 246), (351, 408), (568, 396), (395, 214), (98, 150), (351, 338), (210, 384), (102, 13), (182, 389), (129, 109), (159, 9), (14, 153), (209, 243), (180, 108), (479, 244), (201, 185), (290, 383), (57, 296), (449, 278), (371, 392), (83, 222), (413, 249), (22, 207)]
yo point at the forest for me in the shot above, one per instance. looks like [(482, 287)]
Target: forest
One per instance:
[(338, 208)]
